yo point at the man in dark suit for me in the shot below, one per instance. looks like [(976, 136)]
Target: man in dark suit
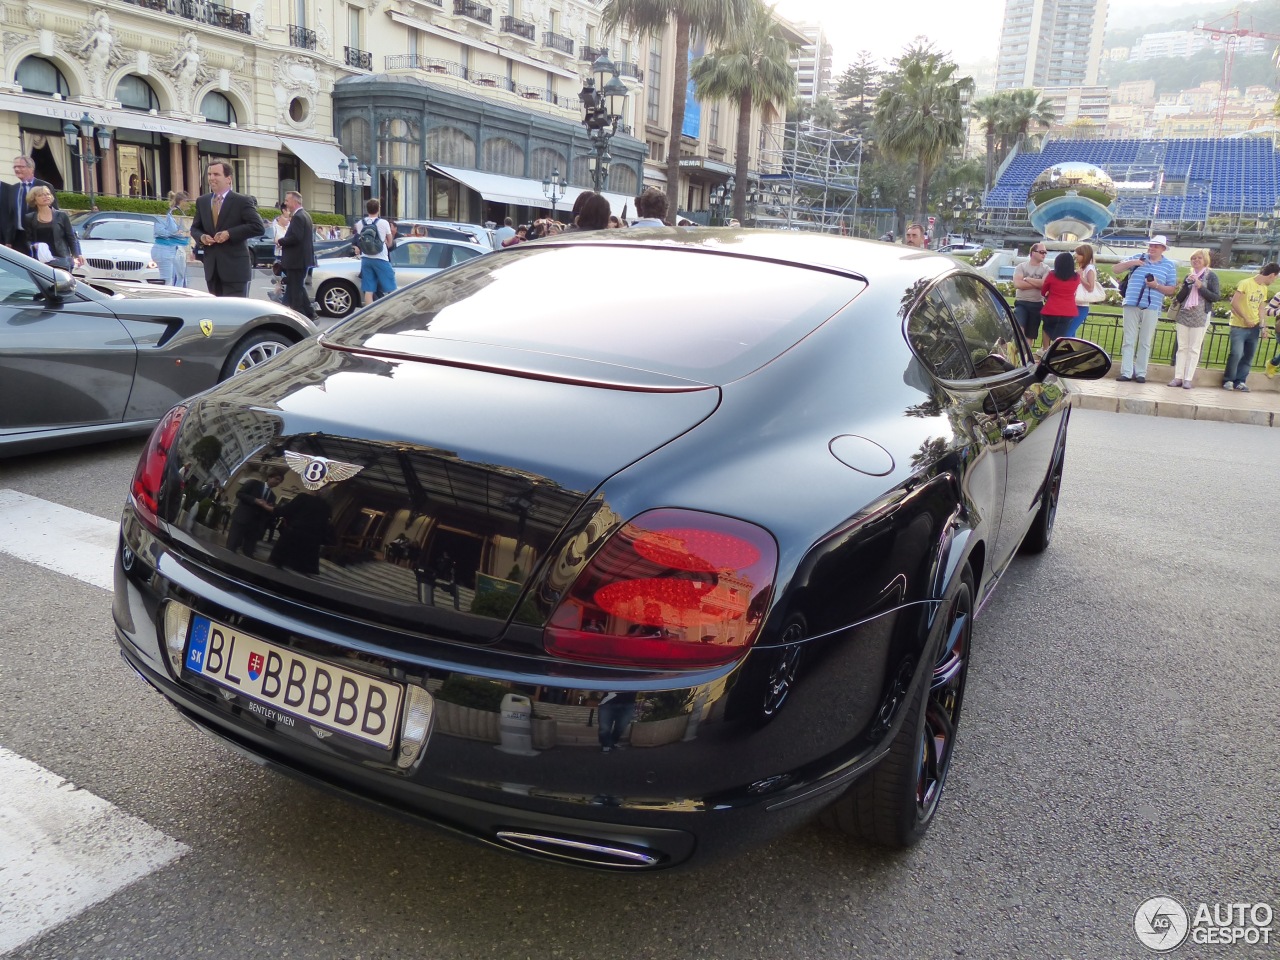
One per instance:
[(13, 203), (255, 507), (224, 223), (297, 255)]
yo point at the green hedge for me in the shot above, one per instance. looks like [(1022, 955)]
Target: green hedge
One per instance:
[(79, 202)]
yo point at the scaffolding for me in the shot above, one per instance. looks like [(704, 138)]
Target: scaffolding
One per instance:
[(808, 178)]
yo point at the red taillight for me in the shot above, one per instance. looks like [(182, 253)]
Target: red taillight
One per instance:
[(672, 588), (149, 476)]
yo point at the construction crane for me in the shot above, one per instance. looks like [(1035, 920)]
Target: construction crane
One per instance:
[(1233, 31)]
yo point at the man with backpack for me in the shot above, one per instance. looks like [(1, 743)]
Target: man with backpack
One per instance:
[(372, 237)]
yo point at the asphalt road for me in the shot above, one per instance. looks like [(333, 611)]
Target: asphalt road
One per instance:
[(1118, 742)]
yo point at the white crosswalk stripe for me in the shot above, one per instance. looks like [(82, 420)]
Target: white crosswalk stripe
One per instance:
[(58, 538), (62, 849)]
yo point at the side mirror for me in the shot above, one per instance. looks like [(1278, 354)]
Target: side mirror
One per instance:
[(1074, 359), (59, 288), (64, 284)]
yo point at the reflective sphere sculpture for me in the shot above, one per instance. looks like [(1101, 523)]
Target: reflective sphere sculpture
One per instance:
[(1071, 201)]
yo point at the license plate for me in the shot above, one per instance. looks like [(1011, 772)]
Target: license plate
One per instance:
[(286, 686)]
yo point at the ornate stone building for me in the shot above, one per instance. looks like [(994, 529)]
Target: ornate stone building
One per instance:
[(451, 109)]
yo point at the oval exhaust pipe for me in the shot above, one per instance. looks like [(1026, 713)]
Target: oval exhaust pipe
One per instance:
[(590, 853)]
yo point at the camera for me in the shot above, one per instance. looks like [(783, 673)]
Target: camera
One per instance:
[(1150, 278)]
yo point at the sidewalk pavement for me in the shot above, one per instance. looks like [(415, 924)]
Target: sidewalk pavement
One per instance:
[(1205, 401)]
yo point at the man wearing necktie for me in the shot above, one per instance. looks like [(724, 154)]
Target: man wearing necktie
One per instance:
[(13, 201), (255, 507), (223, 225)]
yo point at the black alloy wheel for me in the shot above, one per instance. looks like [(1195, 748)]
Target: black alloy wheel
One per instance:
[(895, 802)]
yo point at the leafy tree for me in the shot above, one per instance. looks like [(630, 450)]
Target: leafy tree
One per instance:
[(856, 90), (712, 19), (752, 65), (919, 114)]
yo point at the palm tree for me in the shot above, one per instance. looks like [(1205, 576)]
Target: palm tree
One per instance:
[(751, 66), (710, 19), (1024, 109), (990, 111), (920, 113)]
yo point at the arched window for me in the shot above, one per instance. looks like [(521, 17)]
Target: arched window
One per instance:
[(451, 147), (38, 75), (622, 180), (503, 156), (134, 93), (218, 109), (356, 139), (399, 143), (543, 161)]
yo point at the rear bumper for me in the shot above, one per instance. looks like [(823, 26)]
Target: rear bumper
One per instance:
[(719, 779)]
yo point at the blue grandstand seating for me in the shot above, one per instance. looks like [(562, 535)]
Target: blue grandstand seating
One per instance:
[(1201, 176)]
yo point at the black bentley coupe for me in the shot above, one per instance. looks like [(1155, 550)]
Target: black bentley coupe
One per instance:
[(615, 550)]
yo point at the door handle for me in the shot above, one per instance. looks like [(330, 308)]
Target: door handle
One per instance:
[(1014, 431)]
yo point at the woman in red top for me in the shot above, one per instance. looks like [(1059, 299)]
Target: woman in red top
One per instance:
[(1059, 290)]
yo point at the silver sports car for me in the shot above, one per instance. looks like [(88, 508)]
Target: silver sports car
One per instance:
[(87, 361)]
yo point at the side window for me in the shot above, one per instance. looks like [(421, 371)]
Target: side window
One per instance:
[(437, 256), (935, 339), (17, 285), (463, 254), (985, 325)]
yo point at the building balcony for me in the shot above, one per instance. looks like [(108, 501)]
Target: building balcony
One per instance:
[(517, 27), (359, 58), (630, 70), (591, 54), (466, 8), (301, 37), (555, 41), (213, 14)]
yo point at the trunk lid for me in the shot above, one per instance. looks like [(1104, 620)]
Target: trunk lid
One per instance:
[(420, 494)]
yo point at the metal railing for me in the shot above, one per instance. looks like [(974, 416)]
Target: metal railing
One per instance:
[(556, 42), (359, 58), (492, 81), (201, 11), (517, 27), (630, 70), (1107, 331), (466, 8), (591, 54), (301, 37)]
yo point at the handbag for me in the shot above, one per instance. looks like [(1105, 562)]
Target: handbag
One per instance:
[(1096, 295)]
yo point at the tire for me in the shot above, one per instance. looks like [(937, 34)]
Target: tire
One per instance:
[(252, 350), (1040, 535), (337, 299), (893, 804)]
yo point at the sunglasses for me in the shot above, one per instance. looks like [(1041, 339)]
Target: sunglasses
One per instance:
[(1038, 250)]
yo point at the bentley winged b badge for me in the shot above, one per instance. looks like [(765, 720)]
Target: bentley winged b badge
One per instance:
[(317, 471)]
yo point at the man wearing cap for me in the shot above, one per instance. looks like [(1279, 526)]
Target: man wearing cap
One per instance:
[(1247, 325), (1152, 277)]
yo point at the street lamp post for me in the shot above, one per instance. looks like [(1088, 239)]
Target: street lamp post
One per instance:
[(716, 198), (603, 97), (80, 143), (353, 173), (553, 189)]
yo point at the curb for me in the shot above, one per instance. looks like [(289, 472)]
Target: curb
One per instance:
[(1185, 409)]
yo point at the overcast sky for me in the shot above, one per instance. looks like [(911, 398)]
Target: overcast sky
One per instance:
[(970, 29)]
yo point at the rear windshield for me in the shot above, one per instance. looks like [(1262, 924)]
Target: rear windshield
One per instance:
[(699, 316)]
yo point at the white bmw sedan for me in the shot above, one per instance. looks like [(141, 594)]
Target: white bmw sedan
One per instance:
[(118, 250)]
